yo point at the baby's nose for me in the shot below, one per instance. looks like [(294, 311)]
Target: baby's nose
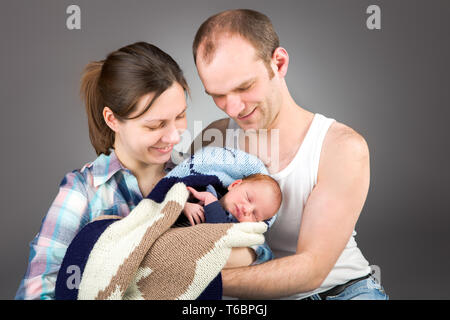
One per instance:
[(246, 209)]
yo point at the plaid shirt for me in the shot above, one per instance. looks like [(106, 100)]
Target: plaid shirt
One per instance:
[(102, 187)]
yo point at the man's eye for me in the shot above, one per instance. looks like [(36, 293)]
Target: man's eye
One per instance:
[(181, 116), (245, 88)]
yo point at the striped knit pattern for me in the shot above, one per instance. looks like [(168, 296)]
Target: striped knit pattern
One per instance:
[(118, 252), (142, 257), (195, 263)]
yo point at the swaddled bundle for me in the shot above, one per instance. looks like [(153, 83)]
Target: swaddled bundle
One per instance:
[(142, 257)]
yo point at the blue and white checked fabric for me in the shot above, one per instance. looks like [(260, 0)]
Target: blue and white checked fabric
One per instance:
[(102, 187)]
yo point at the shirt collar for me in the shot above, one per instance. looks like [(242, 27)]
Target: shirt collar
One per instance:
[(104, 167)]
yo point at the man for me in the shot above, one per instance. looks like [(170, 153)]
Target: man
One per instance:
[(322, 166)]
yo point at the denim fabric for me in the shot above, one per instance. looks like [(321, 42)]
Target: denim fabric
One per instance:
[(367, 289)]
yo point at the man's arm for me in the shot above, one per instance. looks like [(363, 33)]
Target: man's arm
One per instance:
[(329, 217)]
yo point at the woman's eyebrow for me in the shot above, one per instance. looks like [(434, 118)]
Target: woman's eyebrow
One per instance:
[(151, 120)]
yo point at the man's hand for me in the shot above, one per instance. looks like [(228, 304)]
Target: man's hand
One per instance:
[(194, 212), (205, 197)]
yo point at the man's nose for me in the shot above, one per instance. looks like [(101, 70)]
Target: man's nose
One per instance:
[(234, 105)]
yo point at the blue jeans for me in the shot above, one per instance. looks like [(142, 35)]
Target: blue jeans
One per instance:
[(367, 289)]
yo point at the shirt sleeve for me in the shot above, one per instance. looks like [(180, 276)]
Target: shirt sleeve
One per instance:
[(67, 215), (263, 253), (214, 213)]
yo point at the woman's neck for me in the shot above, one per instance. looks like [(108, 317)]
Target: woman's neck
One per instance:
[(147, 175)]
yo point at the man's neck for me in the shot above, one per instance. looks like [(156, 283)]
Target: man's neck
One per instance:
[(278, 145)]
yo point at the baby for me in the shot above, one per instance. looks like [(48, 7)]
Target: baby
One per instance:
[(254, 198)]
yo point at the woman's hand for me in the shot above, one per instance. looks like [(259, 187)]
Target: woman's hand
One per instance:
[(194, 212), (205, 197)]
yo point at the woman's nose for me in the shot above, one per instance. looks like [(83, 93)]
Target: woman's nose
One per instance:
[(172, 135)]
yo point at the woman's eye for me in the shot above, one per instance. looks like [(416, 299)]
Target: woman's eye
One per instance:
[(153, 128), (181, 116)]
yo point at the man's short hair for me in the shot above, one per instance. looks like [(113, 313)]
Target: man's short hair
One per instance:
[(253, 26)]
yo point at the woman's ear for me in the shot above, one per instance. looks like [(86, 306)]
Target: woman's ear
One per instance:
[(280, 61), (234, 184), (110, 119)]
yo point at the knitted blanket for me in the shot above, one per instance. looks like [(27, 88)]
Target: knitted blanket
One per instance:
[(142, 256)]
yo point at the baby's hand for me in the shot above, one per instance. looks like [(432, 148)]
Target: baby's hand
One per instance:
[(194, 211), (204, 197)]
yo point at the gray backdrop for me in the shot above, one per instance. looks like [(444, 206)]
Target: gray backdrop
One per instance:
[(391, 85)]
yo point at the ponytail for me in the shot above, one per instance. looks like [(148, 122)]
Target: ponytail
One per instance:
[(101, 136), (120, 81)]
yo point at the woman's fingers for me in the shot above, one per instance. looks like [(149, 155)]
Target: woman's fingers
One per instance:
[(191, 220), (197, 218), (199, 215), (202, 214), (195, 193), (192, 190)]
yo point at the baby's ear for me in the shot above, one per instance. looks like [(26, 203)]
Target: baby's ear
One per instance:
[(234, 184)]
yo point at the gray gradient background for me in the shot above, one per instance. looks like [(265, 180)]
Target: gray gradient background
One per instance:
[(391, 85)]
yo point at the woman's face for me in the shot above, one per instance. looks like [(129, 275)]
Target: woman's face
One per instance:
[(149, 139)]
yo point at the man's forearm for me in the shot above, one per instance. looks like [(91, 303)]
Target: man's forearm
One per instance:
[(271, 280)]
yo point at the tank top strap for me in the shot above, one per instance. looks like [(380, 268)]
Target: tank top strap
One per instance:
[(309, 150), (314, 141)]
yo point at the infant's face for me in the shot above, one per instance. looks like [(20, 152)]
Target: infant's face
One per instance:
[(250, 201)]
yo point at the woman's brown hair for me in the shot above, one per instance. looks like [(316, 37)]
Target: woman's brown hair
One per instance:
[(119, 81)]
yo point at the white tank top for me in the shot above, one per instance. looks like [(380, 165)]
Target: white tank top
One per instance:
[(297, 181)]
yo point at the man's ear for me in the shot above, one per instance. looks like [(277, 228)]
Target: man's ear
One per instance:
[(110, 119), (280, 61), (234, 184)]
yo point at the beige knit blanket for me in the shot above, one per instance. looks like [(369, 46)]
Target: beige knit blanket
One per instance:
[(142, 257)]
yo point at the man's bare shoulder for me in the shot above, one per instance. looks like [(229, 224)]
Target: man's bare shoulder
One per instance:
[(343, 142)]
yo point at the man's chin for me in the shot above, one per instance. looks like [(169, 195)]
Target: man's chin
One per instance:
[(248, 127)]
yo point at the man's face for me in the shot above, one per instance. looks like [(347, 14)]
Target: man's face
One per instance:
[(238, 81)]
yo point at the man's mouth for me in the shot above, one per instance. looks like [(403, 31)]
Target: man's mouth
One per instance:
[(247, 116)]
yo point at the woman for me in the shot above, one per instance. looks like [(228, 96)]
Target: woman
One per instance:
[(136, 107)]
